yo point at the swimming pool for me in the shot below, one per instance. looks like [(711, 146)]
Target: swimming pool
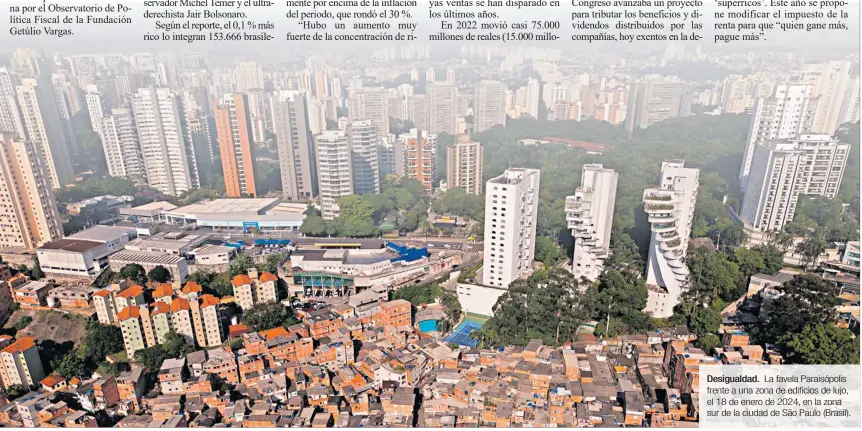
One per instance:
[(428, 326)]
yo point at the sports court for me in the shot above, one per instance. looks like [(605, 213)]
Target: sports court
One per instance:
[(461, 334)]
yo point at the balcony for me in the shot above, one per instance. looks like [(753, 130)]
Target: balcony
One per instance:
[(658, 207)]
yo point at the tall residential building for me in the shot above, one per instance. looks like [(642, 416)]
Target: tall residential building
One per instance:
[(652, 101), (532, 96), (30, 217), (390, 156), (370, 104), (248, 76), (440, 109), (28, 62), (207, 320), (93, 100), (333, 170), (169, 159), (132, 330), (783, 170), (364, 166), (120, 143), (10, 117), (736, 97), (295, 145), (464, 165), (44, 127), (420, 151), (511, 210), (20, 363), (829, 83), (850, 109), (416, 107), (788, 113), (670, 211), (489, 105), (590, 215), (233, 128)]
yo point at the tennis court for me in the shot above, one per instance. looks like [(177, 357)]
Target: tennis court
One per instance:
[(461, 334)]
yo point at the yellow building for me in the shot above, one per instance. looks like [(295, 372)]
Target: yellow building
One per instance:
[(21, 364)]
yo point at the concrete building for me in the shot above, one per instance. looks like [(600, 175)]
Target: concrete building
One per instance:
[(370, 103), (511, 210), (333, 170), (253, 288), (234, 131), (590, 215), (177, 265), (440, 109), (169, 159), (390, 157), (10, 116), (420, 149), (31, 218), (653, 100), (106, 309), (73, 258), (93, 100), (21, 364), (248, 76), (464, 165), (120, 143), (489, 105), (295, 145), (207, 321), (788, 113), (40, 114), (829, 83), (130, 325), (670, 211), (782, 170), (364, 165), (181, 319)]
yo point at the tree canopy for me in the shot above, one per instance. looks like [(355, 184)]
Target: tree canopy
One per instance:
[(807, 299), (821, 344), (135, 273), (268, 315), (159, 274)]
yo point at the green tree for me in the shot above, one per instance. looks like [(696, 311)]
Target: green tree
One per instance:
[(151, 357), (782, 240), (159, 274), (241, 265), (418, 294), (221, 288), (617, 298), (271, 263), (36, 272), (71, 365), (313, 225), (821, 344), (713, 275), (135, 273), (22, 323), (175, 345), (547, 251), (807, 299), (810, 249), (15, 391), (268, 315), (708, 343), (100, 341)]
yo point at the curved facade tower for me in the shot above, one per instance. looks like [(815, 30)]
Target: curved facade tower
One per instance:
[(589, 215), (670, 211)]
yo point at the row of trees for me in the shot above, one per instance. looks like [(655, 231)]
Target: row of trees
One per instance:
[(404, 201)]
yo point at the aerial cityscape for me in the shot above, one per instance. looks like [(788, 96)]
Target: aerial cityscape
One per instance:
[(492, 236)]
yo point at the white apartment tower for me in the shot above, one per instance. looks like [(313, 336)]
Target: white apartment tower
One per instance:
[(440, 108), (489, 105), (295, 145), (464, 165), (248, 76), (829, 83), (30, 217), (10, 117), (370, 103), (334, 180), (364, 164), (788, 113), (169, 166), (44, 127), (590, 215), (783, 170), (670, 211), (93, 100), (511, 209), (122, 149)]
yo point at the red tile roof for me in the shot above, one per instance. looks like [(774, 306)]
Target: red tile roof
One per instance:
[(192, 287), (160, 308), (52, 380), (179, 304), (163, 290), (103, 292), (267, 276), (131, 292), (129, 313), (240, 280), (209, 301), (20, 345)]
